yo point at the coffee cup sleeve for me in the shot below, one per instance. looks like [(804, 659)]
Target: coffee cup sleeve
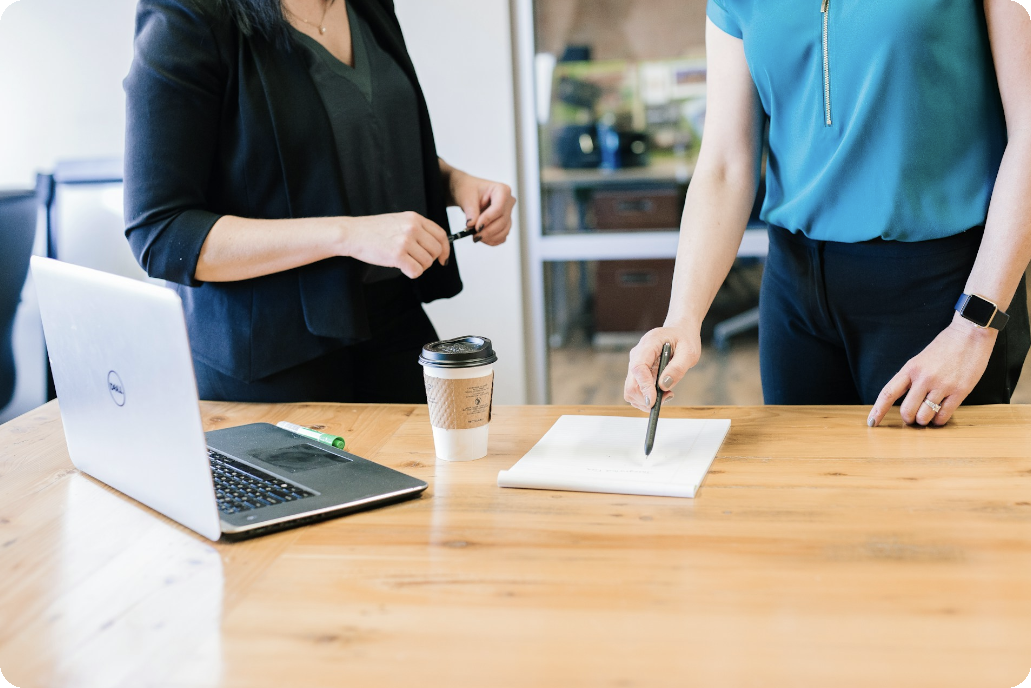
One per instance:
[(461, 404)]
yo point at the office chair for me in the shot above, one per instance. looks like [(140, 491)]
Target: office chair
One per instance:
[(17, 234)]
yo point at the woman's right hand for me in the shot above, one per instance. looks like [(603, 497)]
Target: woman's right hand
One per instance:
[(639, 389), (407, 241)]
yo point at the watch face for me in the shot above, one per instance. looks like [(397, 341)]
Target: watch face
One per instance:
[(979, 311)]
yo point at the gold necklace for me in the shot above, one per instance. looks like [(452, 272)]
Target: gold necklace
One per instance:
[(321, 25)]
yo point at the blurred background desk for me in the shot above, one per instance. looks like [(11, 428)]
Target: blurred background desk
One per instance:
[(818, 552)]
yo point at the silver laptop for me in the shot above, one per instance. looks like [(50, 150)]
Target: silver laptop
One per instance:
[(124, 377)]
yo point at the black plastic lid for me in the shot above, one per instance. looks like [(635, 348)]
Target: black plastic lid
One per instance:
[(460, 352)]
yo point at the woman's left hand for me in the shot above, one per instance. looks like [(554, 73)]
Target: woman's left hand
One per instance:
[(945, 372), (487, 205)]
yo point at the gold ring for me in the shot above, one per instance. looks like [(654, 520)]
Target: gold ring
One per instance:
[(933, 406)]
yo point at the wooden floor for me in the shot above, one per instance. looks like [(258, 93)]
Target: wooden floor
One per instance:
[(595, 376)]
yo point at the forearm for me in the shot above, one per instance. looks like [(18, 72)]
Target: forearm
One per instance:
[(239, 248), (1006, 247), (448, 174), (715, 216)]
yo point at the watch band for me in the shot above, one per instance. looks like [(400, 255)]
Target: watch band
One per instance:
[(981, 312)]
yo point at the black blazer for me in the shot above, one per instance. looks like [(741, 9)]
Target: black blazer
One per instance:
[(219, 123)]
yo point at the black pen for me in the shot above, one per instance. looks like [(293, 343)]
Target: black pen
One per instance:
[(461, 235), (653, 419)]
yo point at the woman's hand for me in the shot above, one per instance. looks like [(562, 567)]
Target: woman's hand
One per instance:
[(399, 240), (639, 389), (945, 372), (487, 205)]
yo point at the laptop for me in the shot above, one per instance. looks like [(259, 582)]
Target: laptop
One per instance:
[(128, 396)]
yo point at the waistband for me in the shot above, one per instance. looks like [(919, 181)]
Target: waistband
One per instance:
[(965, 240)]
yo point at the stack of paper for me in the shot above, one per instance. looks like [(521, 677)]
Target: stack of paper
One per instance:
[(606, 454)]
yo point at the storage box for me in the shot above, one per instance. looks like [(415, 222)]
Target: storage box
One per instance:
[(632, 295), (630, 211)]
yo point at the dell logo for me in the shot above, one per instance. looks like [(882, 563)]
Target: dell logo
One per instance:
[(114, 386)]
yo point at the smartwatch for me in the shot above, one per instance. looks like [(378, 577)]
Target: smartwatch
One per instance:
[(982, 312)]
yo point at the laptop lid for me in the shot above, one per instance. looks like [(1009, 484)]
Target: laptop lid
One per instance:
[(125, 384)]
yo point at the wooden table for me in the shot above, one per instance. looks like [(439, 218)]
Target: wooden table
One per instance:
[(818, 553)]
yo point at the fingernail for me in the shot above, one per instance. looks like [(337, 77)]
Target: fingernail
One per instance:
[(476, 239), (667, 382), (647, 401), (870, 421), (468, 221), (480, 228)]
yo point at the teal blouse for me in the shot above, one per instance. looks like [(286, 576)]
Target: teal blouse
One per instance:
[(885, 117)]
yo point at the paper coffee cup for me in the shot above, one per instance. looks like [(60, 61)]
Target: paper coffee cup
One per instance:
[(459, 376)]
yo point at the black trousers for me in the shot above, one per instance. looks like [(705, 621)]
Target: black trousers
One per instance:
[(837, 321), (382, 370)]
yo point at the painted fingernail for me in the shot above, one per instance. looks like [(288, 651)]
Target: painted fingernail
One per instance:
[(468, 222), (870, 421), (480, 228), (667, 382), (647, 401)]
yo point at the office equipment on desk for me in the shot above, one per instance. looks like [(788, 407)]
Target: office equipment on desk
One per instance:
[(324, 437), (124, 377), (575, 146), (620, 148), (603, 454), (653, 416)]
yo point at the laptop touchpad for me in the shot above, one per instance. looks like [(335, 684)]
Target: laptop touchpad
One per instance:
[(298, 458)]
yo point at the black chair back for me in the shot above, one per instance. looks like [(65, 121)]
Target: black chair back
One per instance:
[(18, 212)]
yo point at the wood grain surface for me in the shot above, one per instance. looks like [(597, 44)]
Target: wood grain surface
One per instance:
[(818, 552)]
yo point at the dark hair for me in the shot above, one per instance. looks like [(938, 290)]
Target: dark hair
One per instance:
[(259, 17)]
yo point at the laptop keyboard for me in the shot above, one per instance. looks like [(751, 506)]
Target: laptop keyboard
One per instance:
[(240, 487)]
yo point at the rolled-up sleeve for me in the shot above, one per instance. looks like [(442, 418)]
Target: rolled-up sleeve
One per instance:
[(174, 92), (717, 11)]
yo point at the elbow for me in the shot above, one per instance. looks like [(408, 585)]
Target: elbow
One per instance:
[(728, 172), (168, 248), (141, 245), (1018, 144), (731, 159)]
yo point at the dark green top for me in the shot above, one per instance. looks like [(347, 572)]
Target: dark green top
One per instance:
[(374, 114)]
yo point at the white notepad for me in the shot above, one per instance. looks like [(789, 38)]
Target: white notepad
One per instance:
[(606, 454)]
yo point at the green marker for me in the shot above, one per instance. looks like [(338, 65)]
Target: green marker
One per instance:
[(331, 440)]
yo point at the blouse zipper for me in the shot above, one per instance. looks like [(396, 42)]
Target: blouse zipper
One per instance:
[(826, 65)]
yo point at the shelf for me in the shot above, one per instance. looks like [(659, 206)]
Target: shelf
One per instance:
[(635, 245), (662, 172)]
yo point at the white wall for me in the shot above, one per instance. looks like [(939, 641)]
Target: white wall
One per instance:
[(61, 68), (462, 50)]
